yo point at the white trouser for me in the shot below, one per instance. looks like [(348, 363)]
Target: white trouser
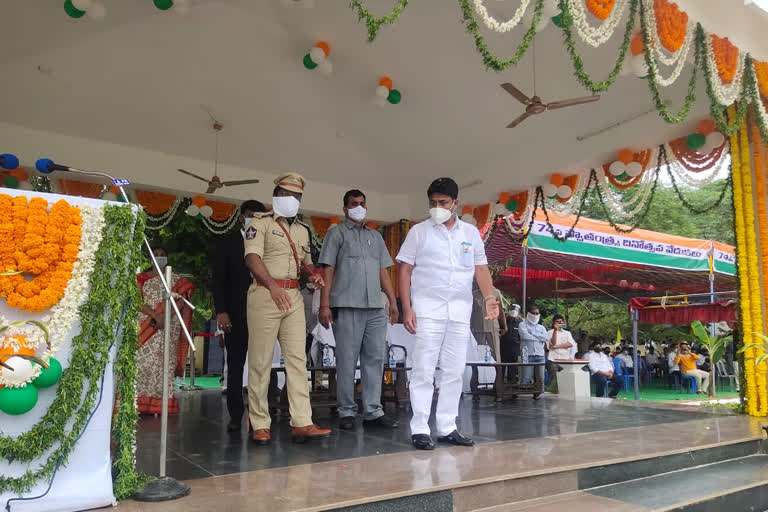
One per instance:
[(701, 377), (446, 341)]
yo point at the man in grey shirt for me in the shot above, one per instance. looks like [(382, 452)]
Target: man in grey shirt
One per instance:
[(356, 261)]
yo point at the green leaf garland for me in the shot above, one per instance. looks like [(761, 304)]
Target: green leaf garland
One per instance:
[(490, 60), (578, 63), (111, 302), (372, 22)]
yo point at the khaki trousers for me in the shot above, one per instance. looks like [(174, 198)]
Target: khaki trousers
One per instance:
[(701, 377), (265, 324)]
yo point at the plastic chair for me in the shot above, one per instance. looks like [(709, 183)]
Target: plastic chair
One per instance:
[(722, 373), (621, 370), (687, 381)]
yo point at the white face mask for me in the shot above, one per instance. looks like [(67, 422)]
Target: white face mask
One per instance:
[(440, 215), (162, 261), (515, 311), (534, 319), (287, 206), (357, 213)]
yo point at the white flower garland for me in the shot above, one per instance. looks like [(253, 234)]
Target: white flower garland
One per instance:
[(599, 35), (678, 59), (633, 205), (696, 179), (219, 228), (725, 94), (493, 24), (164, 219), (63, 315)]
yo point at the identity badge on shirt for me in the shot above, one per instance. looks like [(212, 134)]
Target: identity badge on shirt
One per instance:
[(466, 254)]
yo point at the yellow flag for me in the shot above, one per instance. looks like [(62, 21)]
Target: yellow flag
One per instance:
[(618, 335)]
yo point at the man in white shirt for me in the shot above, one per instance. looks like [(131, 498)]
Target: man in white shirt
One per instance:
[(533, 338), (561, 342), (601, 368), (438, 261), (627, 358)]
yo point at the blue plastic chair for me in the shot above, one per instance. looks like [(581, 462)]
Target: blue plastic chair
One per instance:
[(621, 370), (687, 381)]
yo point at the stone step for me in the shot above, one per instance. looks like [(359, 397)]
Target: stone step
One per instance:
[(733, 485)]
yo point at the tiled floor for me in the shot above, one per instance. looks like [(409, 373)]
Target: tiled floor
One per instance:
[(563, 441), (199, 445)]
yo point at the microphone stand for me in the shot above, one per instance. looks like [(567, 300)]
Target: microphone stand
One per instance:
[(163, 488)]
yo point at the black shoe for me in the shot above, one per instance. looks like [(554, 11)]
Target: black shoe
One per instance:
[(385, 421), (456, 438), (422, 442), (347, 423), (233, 426)]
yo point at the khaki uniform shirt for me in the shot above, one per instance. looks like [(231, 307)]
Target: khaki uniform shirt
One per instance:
[(478, 323), (265, 238)]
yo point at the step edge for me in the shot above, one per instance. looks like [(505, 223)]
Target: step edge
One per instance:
[(709, 497)]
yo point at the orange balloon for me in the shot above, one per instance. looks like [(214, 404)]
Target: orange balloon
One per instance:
[(114, 190), (386, 82), (198, 201), (557, 180), (705, 127), (373, 225), (334, 220), (504, 197), (466, 209), (325, 47), (626, 156), (20, 174), (636, 46)]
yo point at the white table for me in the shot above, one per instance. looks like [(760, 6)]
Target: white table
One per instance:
[(572, 382)]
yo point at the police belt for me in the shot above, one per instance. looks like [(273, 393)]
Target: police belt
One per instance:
[(286, 284)]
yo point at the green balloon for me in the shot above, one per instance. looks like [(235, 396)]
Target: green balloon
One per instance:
[(72, 11), (394, 96), (11, 182), (511, 205), (15, 401), (558, 21), (199, 216), (622, 176), (163, 5), (695, 141), (49, 377), (309, 63)]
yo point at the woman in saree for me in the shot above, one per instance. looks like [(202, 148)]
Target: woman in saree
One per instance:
[(149, 363)]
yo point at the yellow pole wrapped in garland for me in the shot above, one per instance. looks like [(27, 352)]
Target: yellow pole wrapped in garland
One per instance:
[(750, 297)]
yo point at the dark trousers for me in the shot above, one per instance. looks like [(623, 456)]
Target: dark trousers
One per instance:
[(615, 384), (236, 342)]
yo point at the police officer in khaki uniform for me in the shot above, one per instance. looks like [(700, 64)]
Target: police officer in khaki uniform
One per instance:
[(277, 251)]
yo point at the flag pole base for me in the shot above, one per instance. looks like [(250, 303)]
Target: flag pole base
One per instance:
[(162, 489)]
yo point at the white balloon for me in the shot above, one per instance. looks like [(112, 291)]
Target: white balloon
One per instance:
[(25, 185), (715, 140), (469, 219), (82, 5), (564, 192), (634, 169), (109, 196), (317, 55), (549, 190), (382, 91), (381, 101), (706, 149), (193, 210), (617, 168), (638, 65), (97, 11), (206, 211), (500, 209), (326, 67), (22, 370), (550, 9)]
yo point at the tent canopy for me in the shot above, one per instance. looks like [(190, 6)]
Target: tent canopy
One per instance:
[(597, 260)]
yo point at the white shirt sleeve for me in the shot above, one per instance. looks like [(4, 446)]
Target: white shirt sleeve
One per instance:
[(410, 246), (479, 247)]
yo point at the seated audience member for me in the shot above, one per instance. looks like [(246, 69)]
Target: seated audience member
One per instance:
[(626, 356), (673, 367), (651, 358), (687, 361), (601, 367)]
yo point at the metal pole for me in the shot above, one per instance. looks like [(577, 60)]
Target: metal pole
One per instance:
[(634, 354), (166, 372), (712, 301), (525, 278), (557, 298)]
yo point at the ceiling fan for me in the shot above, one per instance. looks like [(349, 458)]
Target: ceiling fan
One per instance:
[(534, 105), (215, 183)]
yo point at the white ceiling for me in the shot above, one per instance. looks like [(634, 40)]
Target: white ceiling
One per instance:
[(138, 79)]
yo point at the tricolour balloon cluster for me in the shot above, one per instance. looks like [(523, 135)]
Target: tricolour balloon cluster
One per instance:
[(386, 94), (705, 139), (199, 209), (317, 58), (625, 167)]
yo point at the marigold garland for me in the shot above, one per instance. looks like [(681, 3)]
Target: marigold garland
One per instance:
[(761, 71), (726, 58), (759, 159), (671, 24), (41, 243), (600, 9)]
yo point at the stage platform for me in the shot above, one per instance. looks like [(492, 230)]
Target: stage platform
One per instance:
[(526, 450)]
